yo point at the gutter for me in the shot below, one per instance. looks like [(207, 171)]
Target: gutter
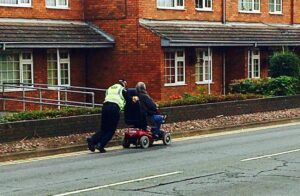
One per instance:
[(57, 45), (186, 43)]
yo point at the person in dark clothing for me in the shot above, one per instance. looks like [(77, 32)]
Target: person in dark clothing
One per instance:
[(149, 108), (115, 99)]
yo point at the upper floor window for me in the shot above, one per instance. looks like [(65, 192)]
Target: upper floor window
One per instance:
[(253, 63), (249, 5), (57, 3), (170, 4), (17, 3), (204, 4), (174, 67), (275, 6)]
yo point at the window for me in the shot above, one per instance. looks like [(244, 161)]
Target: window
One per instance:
[(254, 63), (17, 3), (204, 4), (275, 6), (249, 5), (16, 67), (173, 4), (57, 3), (58, 62), (203, 67), (174, 67)]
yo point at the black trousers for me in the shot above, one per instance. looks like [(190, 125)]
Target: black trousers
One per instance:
[(109, 122)]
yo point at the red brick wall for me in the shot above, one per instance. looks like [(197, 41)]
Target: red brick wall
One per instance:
[(297, 11), (148, 9), (110, 9), (236, 63), (39, 11), (234, 16), (136, 57)]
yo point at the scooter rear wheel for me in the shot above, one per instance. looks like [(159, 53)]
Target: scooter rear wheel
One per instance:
[(125, 143), (144, 142)]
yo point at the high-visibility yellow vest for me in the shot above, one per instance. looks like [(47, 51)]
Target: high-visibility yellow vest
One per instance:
[(114, 94)]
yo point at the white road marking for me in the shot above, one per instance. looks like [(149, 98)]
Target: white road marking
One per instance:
[(119, 147), (270, 155), (119, 183)]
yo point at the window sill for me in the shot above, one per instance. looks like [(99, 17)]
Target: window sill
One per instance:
[(175, 84), (171, 8), (199, 83), (204, 10), (249, 12), (276, 13), (16, 6), (57, 8)]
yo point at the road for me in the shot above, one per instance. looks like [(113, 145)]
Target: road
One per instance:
[(260, 161)]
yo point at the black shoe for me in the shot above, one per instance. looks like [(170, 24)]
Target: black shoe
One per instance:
[(100, 148), (91, 144)]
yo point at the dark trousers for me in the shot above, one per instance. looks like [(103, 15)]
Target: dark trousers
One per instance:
[(109, 122)]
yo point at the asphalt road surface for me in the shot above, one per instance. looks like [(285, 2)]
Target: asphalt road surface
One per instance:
[(261, 161)]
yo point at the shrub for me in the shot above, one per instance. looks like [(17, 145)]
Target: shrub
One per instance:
[(46, 114), (285, 64), (201, 99), (282, 85), (279, 86)]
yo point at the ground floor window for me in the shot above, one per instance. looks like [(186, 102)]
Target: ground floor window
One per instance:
[(253, 63), (16, 67), (58, 63), (203, 67), (174, 67)]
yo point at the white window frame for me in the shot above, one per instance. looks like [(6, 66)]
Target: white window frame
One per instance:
[(208, 58), (274, 7), (251, 59), (177, 59), (22, 62), (58, 64), (176, 6), (205, 7), (57, 6), (19, 4), (249, 11)]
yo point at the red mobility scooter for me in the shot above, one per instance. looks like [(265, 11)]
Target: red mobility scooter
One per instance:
[(138, 134)]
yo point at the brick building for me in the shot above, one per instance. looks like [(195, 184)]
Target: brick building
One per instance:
[(174, 46)]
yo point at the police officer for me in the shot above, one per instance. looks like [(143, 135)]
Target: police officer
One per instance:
[(115, 99)]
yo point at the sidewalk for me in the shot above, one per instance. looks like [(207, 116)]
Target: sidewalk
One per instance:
[(48, 146)]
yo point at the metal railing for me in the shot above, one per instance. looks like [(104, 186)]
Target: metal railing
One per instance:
[(12, 91)]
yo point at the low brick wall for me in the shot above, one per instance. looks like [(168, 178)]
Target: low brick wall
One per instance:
[(89, 123)]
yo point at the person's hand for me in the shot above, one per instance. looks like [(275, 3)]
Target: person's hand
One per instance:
[(135, 99)]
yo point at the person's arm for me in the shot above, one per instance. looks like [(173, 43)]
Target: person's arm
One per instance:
[(126, 96), (151, 106)]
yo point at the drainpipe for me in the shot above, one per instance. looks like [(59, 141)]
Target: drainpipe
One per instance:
[(292, 12), (224, 12), (224, 72)]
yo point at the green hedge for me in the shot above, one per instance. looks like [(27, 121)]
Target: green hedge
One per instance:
[(46, 114), (279, 86), (188, 99)]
